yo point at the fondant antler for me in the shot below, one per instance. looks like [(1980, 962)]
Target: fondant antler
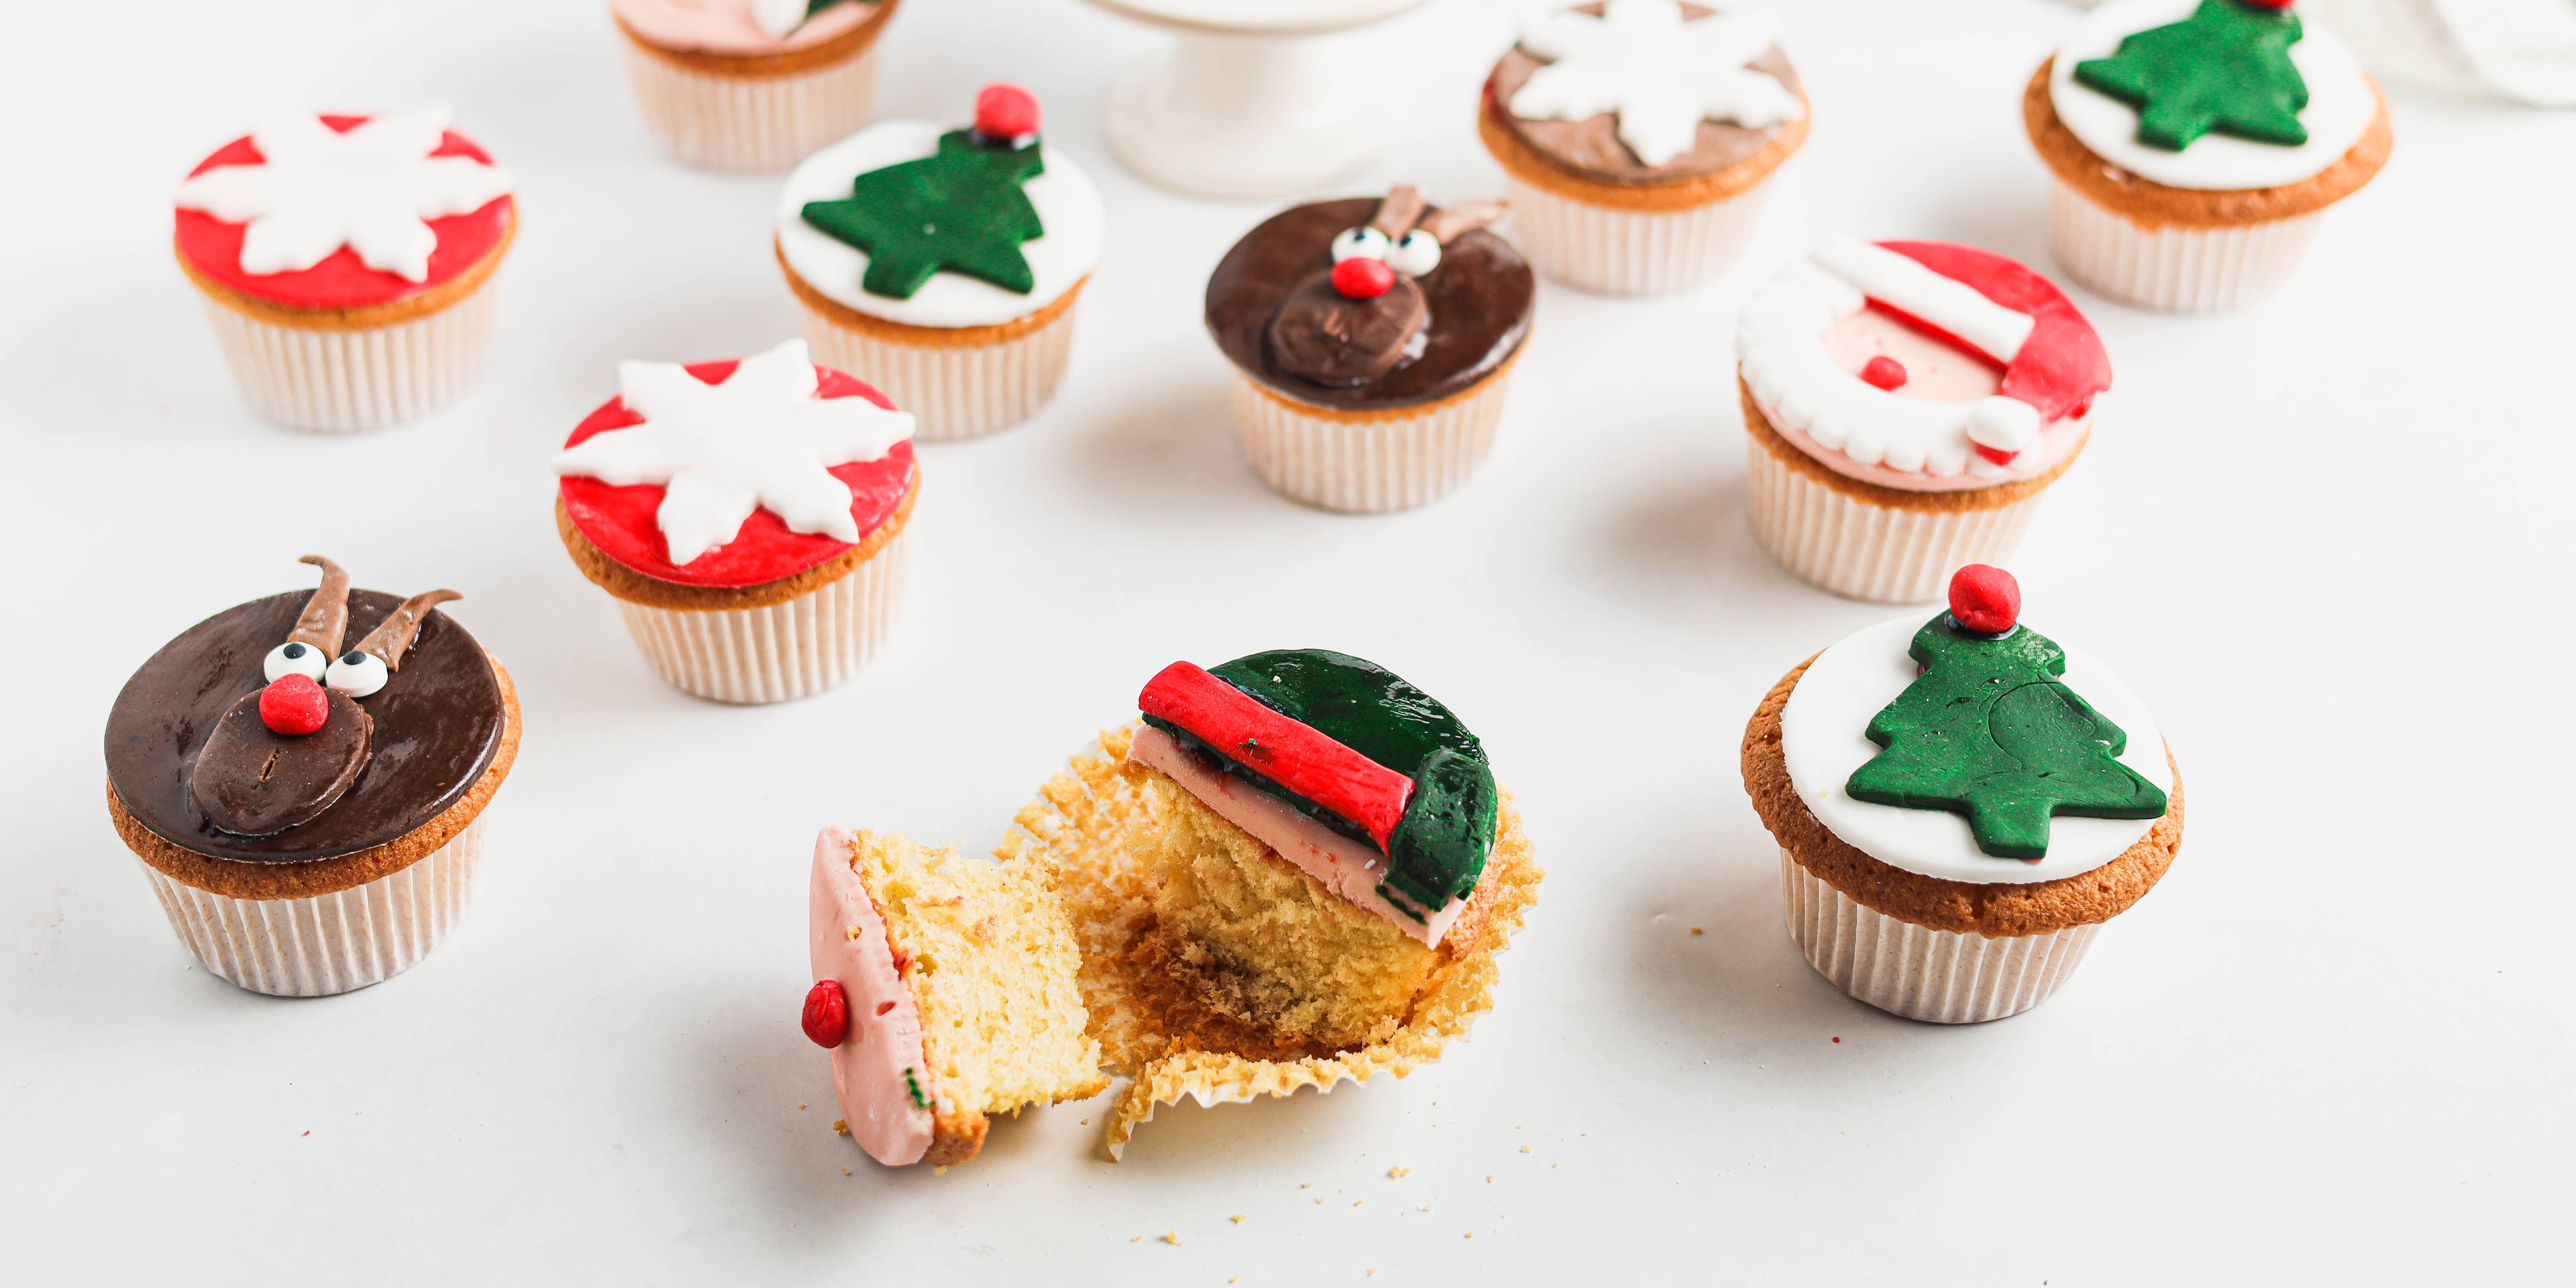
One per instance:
[(394, 634), (326, 615), (1397, 214), (1453, 222)]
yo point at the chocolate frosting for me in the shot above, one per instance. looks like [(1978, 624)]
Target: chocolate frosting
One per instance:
[(434, 728), (1591, 148), (1478, 300)]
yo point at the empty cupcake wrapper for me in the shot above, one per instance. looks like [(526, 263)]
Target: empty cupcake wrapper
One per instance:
[(330, 943), (1942, 976), (1853, 548), (953, 392), (1370, 465), (752, 122), (779, 652), (1616, 251), (335, 381), (2176, 270)]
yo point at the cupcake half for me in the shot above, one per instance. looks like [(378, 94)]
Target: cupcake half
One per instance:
[(1906, 404), (751, 84), (1372, 341), (347, 263), (1639, 138), (2195, 146), (944, 991), (943, 264), (1960, 804), (304, 778), (751, 518)]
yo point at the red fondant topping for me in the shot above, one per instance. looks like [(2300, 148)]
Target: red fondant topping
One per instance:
[(1363, 277), (621, 520), (1985, 599), (294, 705), (1005, 111), (2269, 4), (2061, 366), (341, 281), (1884, 372), (1294, 755), (827, 1013)]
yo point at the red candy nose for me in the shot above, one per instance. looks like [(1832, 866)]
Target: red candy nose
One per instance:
[(1985, 599), (1005, 111), (294, 705), (1884, 372), (1363, 278), (827, 1013)]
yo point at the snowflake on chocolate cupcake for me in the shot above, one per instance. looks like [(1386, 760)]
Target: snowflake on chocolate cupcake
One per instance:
[(1364, 316), (1659, 72)]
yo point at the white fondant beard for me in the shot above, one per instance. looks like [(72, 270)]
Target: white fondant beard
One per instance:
[(372, 189), (1824, 738), (1660, 74), (2340, 108), (1068, 208)]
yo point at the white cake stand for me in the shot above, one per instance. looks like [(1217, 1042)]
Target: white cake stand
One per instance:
[(1260, 98)]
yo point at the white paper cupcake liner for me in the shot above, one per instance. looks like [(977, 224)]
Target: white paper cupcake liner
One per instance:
[(335, 381), (752, 122), (1617, 251), (1847, 545), (1943, 976), (330, 943), (1367, 466), (952, 392), (2177, 270), (781, 651)]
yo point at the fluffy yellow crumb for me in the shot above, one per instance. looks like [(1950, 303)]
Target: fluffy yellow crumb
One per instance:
[(1399, 1171), (1697, 931), (800, 1104), (1171, 1236), (1471, 1234), (841, 1125), (845, 1171), (1135, 1238), (1357, 1202), (1524, 1149), (939, 1171), (1237, 1218), (1305, 1185), (1489, 1178)]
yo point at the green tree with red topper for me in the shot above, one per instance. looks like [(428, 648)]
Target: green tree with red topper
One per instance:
[(2225, 68)]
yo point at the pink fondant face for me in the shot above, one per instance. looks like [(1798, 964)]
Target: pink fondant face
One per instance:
[(1935, 369), (726, 26), (880, 1064)]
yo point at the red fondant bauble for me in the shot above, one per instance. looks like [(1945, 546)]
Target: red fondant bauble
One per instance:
[(1005, 111), (2267, 4), (294, 705), (1884, 372), (827, 1013), (1985, 599), (1363, 278)]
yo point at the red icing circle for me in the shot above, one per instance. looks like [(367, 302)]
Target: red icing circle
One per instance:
[(341, 281), (2060, 367), (620, 520)]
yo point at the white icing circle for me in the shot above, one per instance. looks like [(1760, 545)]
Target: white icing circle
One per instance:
[(1824, 737), (1068, 208), (2340, 108)]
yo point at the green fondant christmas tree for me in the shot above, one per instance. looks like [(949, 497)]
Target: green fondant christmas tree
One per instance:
[(1990, 731), (2226, 68), (960, 209)]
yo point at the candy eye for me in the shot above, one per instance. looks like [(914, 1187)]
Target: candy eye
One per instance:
[(1416, 255), (294, 658), (1359, 241), (357, 674)]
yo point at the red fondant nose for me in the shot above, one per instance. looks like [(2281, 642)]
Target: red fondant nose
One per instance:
[(827, 1013), (294, 705), (1985, 599)]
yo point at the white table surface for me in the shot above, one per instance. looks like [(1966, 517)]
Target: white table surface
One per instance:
[(2327, 540)]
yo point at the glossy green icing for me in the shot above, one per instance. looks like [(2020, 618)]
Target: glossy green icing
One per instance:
[(1990, 731), (2225, 68)]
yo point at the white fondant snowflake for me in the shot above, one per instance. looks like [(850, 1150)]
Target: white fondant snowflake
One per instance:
[(371, 189), (759, 440), (1662, 75)]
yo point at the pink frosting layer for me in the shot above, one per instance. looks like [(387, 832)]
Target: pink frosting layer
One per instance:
[(725, 26), (1351, 869), (884, 1042), (1936, 371)]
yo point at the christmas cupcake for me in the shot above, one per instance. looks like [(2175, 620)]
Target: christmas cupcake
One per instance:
[(1639, 137), (311, 811), (1960, 804), (944, 991), (751, 84), (2196, 145), (1372, 341), (1907, 403), (347, 263), (943, 264), (1298, 870), (750, 517)]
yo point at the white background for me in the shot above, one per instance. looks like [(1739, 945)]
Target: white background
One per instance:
[(2326, 540)]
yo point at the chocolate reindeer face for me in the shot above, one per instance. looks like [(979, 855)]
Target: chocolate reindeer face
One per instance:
[(1365, 316), (284, 754)]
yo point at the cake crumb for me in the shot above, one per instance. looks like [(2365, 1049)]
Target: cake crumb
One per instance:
[(1171, 1236), (1305, 1185), (1525, 1149), (1357, 1202), (1489, 1178), (939, 1171), (1135, 1238), (845, 1171), (1471, 1234), (800, 1104), (1394, 1172), (841, 1125), (1237, 1218)]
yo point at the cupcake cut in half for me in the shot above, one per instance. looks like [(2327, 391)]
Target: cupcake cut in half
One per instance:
[(751, 84), (942, 264), (347, 263), (2196, 145), (1960, 804), (304, 778), (1639, 138), (751, 517), (1372, 340), (1906, 404)]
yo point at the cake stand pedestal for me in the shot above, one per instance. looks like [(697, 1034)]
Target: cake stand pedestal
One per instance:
[(1258, 99)]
